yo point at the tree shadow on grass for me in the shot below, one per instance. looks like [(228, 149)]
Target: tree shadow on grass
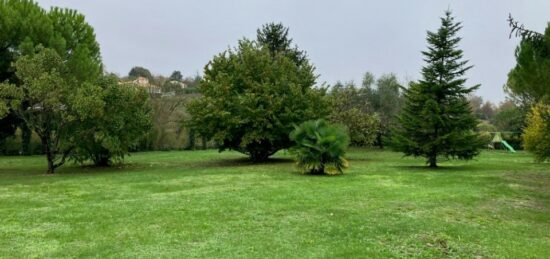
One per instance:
[(191, 168), (243, 161), (133, 167), (454, 168)]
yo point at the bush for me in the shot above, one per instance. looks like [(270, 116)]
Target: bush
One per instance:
[(485, 132), (320, 147), (536, 136), (362, 127)]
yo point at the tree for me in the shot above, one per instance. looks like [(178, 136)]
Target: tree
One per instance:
[(389, 101), (476, 102), (482, 110), (136, 72), (536, 136), (275, 37), (170, 86), (57, 102), (509, 117), (488, 111), (6, 128), (251, 99), (176, 76), (320, 147), (362, 127), (350, 107), (436, 120), (74, 40), (529, 81), (24, 26), (124, 121), (22, 23)]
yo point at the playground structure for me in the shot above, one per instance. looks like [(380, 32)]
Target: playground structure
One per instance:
[(497, 139)]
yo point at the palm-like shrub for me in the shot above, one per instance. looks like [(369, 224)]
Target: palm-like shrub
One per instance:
[(320, 147)]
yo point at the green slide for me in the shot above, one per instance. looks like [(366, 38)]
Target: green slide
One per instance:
[(508, 146)]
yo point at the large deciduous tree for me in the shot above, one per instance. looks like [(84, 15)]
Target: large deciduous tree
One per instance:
[(253, 97), (436, 120), (24, 26), (124, 121), (56, 102)]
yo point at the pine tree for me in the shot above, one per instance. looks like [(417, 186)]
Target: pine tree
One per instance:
[(437, 120)]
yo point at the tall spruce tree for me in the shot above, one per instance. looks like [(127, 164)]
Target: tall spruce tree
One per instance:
[(275, 37), (436, 121)]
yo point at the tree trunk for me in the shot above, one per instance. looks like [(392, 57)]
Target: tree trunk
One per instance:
[(259, 156), (26, 135), (49, 154), (433, 161), (204, 143), (379, 139), (51, 166), (191, 140), (103, 159)]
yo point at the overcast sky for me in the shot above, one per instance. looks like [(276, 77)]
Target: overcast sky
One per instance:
[(343, 38)]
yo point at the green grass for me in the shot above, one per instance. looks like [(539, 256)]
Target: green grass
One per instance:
[(207, 204)]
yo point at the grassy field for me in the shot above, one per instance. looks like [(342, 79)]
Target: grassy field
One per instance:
[(207, 204)]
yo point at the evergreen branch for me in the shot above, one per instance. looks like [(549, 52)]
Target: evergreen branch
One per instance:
[(518, 30)]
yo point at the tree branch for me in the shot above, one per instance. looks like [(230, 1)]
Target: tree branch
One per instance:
[(518, 30)]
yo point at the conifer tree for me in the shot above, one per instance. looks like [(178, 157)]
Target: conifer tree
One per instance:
[(437, 121)]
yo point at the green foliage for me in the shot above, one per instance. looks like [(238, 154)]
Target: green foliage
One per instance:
[(136, 72), (174, 87), (529, 80), (275, 37), (176, 76), (509, 117), (485, 131), (320, 147), (436, 120), (536, 136), (57, 103), (74, 40), (14, 144), (362, 127), (168, 132), (386, 101), (250, 100), (23, 26), (124, 121), (482, 110), (350, 108)]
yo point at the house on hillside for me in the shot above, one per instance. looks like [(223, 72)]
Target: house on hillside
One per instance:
[(144, 82), (181, 84)]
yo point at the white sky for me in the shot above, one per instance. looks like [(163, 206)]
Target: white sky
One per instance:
[(343, 38)]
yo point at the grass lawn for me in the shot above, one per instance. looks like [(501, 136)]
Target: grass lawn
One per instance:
[(207, 204)]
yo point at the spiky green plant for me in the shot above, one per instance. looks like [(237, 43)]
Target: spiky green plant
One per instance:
[(320, 147)]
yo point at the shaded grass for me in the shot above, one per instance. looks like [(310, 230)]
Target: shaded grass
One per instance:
[(206, 204)]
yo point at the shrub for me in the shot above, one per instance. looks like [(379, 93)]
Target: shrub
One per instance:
[(320, 147), (536, 136), (362, 127)]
